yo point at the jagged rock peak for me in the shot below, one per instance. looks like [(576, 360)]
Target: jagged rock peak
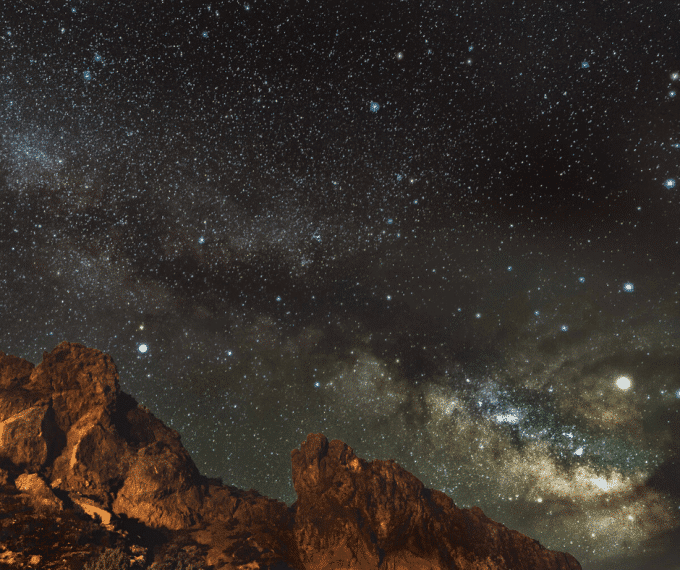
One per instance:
[(352, 513), (76, 378), (72, 442)]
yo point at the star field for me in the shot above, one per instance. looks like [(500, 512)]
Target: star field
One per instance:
[(444, 233)]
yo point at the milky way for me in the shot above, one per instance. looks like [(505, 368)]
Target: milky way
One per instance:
[(444, 233)]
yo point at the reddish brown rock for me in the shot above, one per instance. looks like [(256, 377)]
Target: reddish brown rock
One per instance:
[(351, 513), (74, 448), (70, 439), (69, 420)]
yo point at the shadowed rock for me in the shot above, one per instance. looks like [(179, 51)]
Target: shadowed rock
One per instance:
[(74, 448)]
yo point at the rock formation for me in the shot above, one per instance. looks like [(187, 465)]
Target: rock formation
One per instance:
[(351, 513), (84, 468)]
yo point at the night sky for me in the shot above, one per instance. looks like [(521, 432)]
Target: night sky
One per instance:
[(446, 233)]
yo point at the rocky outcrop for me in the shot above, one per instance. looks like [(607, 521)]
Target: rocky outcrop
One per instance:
[(69, 435), (70, 422), (74, 448), (351, 513)]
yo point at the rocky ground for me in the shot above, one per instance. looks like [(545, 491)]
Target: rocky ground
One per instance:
[(38, 537)]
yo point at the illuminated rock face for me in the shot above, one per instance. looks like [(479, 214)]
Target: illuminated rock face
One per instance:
[(67, 419), (71, 441), (351, 513), (73, 448)]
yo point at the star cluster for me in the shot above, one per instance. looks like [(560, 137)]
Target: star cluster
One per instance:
[(445, 233)]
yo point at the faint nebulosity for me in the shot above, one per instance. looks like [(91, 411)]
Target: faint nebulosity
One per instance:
[(445, 232)]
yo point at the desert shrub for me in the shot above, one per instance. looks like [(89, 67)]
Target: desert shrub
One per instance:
[(110, 559)]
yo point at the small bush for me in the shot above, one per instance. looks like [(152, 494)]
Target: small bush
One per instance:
[(110, 559)]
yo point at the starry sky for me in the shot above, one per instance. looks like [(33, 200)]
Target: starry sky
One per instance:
[(446, 233)]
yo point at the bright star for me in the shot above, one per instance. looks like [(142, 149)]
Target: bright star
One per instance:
[(142, 348), (623, 382)]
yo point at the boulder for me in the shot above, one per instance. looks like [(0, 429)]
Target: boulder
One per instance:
[(38, 492), (27, 433)]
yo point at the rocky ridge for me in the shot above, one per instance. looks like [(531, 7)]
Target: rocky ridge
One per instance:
[(84, 468)]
